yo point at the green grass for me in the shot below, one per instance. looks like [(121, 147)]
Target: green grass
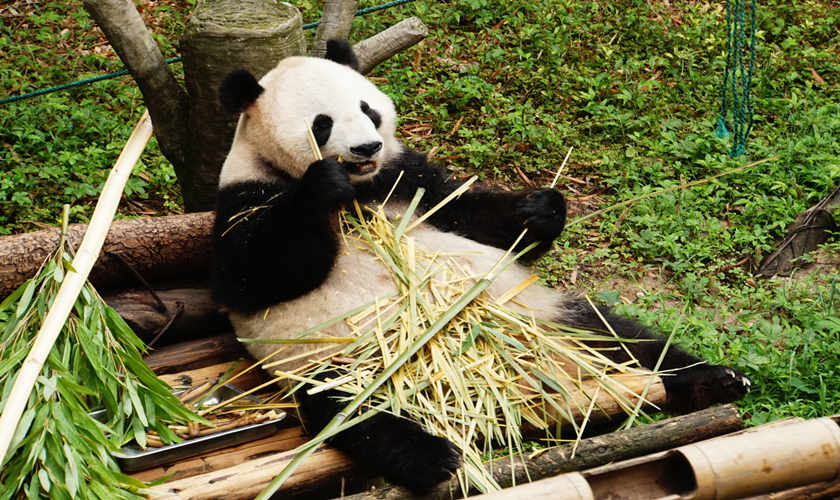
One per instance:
[(498, 86)]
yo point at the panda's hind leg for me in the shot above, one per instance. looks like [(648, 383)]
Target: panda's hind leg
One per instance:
[(690, 383), (384, 445)]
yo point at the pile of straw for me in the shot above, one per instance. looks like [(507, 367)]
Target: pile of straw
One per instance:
[(482, 374)]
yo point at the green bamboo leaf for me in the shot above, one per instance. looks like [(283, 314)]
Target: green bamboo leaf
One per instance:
[(504, 338), (139, 431), (11, 360), (44, 478), (33, 489), (8, 301), (68, 386), (149, 405), (25, 298), (469, 340), (67, 262), (131, 388), (120, 328), (48, 384), (409, 212), (22, 429), (58, 273), (71, 472)]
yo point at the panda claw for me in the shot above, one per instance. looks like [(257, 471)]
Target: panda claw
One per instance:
[(703, 386)]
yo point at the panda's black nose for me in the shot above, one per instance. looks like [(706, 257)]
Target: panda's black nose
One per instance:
[(367, 149)]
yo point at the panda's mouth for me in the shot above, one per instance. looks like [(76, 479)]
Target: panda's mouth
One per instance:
[(358, 168)]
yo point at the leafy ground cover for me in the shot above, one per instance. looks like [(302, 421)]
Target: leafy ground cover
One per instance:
[(503, 89)]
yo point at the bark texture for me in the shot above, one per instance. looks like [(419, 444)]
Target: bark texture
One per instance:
[(195, 354), (160, 248), (176, 315), (221, 36), (336, 21), (385, 44)]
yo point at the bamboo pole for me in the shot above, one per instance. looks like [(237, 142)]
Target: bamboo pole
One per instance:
[(74, 280), (776, 457)]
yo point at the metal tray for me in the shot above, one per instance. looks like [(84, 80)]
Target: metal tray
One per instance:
[(132, 458)]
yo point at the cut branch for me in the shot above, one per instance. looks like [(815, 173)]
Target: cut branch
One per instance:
[(336, 22), (385, 44)]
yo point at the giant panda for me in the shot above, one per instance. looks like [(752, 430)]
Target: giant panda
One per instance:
[(282, 268)]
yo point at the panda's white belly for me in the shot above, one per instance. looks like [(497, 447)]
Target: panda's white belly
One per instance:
[(359, 278)]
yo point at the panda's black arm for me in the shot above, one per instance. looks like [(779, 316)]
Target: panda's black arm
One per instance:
[(274, 242), (491, 217)]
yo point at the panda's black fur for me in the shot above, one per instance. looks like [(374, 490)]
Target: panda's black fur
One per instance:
[(288, 249)]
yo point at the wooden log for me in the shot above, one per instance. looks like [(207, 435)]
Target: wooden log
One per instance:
[(322, 471), (592, 452), (180, 314), (159, 248), (606, 407), (195, 354)]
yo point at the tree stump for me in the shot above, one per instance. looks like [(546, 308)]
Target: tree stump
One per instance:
[(221, 36)]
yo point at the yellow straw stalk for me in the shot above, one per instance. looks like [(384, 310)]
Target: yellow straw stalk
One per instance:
[(487, 372)]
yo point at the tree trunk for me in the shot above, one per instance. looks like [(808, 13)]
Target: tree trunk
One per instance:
[(336, 21), (222, 36), (159, 249), (164, 97)]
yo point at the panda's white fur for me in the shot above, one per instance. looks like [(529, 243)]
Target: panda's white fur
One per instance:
[(282, 268), (358, 278), (275, 128)]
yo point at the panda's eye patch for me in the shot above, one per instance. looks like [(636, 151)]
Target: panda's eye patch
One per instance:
[(373, 115), (321, 129)]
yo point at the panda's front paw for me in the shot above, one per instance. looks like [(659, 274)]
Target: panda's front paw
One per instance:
[(543, 212), (702, 386), (327, 182), (422, 462)]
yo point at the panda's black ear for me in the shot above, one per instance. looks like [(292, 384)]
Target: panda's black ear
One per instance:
[(340, 51), (239, 90)]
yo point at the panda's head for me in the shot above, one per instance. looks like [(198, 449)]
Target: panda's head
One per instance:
[(350, 118)]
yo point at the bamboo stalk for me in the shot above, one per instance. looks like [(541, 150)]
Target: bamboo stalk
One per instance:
[(73, 282)]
